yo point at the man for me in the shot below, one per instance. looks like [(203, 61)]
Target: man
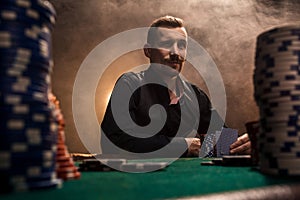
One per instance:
[(184, 114)]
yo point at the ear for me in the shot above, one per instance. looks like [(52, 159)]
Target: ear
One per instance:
[(147, 50)]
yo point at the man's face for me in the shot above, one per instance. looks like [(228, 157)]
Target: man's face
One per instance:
[(168, 50)]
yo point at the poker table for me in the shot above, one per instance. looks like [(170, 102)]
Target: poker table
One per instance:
[(184, 178)]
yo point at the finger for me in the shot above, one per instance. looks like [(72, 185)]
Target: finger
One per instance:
[(242, 149), (195, 152), (240, 141)]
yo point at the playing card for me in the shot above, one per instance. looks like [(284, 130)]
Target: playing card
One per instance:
[(227, 137)]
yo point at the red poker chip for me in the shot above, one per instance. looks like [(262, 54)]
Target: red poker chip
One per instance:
[(65, 164), (70, 176), (66, 170), (63, 159)]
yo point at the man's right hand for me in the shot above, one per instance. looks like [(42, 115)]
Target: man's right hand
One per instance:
[(194, 145)]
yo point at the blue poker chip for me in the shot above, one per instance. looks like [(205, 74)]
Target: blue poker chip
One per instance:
[(274, 112), (18, 41), (41, 5), (279, 104), (278, 52), (14, 126), (27, 178), (285, 148), (19, 64), (31, 74), (279, 137), (290, 133), (35, 59), (279, 38), (273, 138), (274, 102), (39, 47), (280, 172), (42, 142), (15, 98), (270, 114), (25, 108), (270, 61), (25, 25), (269, 72), (36, 51), (33, 32), (17, 68), (26, 186), (291, 29), (32, 145), (24, 178), (30, 170), (32, 70), (282, 93), (11, 137), (275, 96), (33, 119), (15, 87), (32, 85), (28, 127), (37, 185), (33, 131), (278, 151), (19, 38), (278, 44), (29, 149), (273, 155), (290, 119), (21, 121), (287, 121), (291, 82), (26, 16), (41, 155), (281, 74)]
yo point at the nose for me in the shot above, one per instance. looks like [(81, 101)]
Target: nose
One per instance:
[(174, 49)]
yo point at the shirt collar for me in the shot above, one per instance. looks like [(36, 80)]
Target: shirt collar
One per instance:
[(153, 77)]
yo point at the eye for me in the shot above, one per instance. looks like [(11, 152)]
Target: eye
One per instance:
[(181, 44), (166, 44)]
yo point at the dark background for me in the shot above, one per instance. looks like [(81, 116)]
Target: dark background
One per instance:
[(227, 29)]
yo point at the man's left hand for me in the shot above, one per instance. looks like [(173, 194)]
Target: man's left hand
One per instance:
[(241, 146)]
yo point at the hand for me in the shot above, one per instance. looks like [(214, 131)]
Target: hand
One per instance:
[(193, 146), (241, 146)]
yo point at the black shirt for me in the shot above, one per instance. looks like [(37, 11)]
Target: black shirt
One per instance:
[(191, 114)]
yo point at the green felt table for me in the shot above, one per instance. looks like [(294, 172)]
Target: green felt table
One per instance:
[(184, 177)]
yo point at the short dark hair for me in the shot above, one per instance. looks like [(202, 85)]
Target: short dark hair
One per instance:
[(166, 22)]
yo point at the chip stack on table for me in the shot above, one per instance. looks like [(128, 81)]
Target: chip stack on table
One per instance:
[(277, 93), (65, 167), (28, 130)]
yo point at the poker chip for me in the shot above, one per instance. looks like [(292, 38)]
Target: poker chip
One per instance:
[(65, 167), (277, 93), (96, 164), (144, 166), (28, 128)]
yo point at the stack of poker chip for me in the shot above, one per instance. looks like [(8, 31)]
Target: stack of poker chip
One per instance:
[(65, 166), (277, 93), (28, 129)]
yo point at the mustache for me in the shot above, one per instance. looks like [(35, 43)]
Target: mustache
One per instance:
[(174, 58)]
